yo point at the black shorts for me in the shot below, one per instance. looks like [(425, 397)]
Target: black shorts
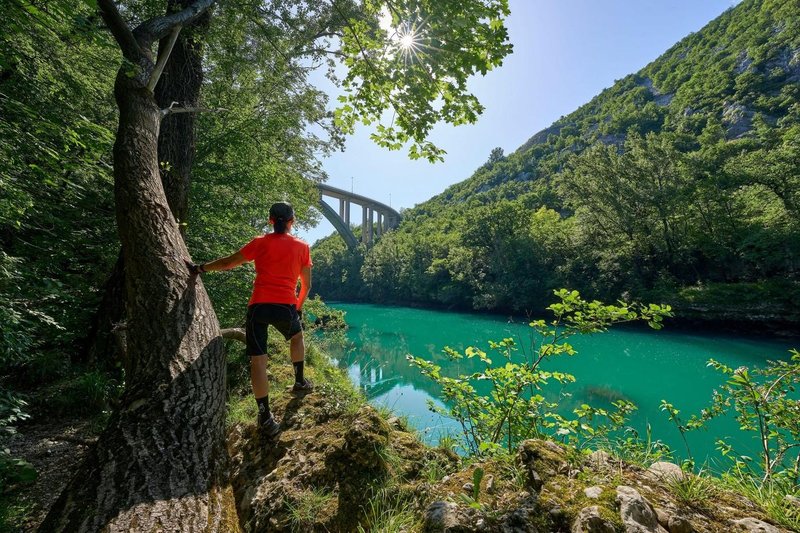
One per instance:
[(282, 317)]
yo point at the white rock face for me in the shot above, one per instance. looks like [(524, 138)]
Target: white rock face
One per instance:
[(593, 492), (590, 521), (440, 516), (666, 471), (637, 514), (752, 525)]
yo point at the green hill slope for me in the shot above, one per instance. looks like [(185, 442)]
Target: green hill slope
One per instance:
[(680, 183)]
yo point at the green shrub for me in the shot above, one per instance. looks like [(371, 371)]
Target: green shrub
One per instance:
[(89, 393), (765, 404), (13, 470), (515, 408), (11, 412)]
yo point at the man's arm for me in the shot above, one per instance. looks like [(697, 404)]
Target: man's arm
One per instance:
[(305, 285), (223, 263)]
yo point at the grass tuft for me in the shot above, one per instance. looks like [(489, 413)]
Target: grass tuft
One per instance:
[(388, 513), (692, 490), (769, 495), (241, 410), (305, 510)]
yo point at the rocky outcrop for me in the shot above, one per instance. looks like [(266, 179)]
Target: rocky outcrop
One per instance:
[(321, 470), (443, 517), (679, 524), (593, 493), (753, 525), (638, 516), (661, 99), (333, 457), (542, 461), (560, 494)]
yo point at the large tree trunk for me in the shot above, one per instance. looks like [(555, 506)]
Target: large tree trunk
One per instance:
[(160, 465), (180, 82)]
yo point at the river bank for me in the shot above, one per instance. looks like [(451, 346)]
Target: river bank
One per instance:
[(755, 319), (341, 465)]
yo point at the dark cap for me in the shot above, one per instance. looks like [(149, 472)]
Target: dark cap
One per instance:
[(281, 211)]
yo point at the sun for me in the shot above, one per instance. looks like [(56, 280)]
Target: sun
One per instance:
[(405, 38), (407, 41)]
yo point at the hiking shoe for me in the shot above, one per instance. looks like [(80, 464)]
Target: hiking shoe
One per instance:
[(268, 426), (302, 388)]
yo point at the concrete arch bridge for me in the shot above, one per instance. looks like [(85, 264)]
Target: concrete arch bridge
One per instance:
[(376, 218)]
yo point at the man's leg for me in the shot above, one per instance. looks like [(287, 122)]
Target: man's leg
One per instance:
[(297, 351), (258, 379), (256, 346), (258, 376), (297, 348)]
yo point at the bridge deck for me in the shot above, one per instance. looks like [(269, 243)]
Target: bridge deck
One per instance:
[(363, 201)]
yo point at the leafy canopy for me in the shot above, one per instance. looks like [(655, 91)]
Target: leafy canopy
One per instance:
[(410, 60)]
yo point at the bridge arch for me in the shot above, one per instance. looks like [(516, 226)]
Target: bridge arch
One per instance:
[(371, 229)]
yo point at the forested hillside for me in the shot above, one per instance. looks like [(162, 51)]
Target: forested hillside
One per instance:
[(679, 184)]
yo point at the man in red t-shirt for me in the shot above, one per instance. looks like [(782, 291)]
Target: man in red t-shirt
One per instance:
[(281, 260)]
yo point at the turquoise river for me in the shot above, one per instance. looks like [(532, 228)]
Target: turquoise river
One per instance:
[(640, 365)]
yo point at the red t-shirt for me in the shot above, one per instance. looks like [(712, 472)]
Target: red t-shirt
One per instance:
[(279, 258)]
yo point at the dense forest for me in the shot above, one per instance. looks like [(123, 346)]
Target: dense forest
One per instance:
[(678, 184)]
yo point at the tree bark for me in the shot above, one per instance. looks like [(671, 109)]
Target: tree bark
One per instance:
[(160, 465), (180, 82)]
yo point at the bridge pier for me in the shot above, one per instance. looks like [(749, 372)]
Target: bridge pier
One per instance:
[(367, 229), (371, 229), (364, 211)]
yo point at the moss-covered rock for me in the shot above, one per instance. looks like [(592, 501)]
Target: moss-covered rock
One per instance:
[(542, 460)]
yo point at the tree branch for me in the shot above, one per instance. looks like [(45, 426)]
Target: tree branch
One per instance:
[(172, 110), (157, 28), (309, 51), (162, 59), (236, 334), (120, 30)]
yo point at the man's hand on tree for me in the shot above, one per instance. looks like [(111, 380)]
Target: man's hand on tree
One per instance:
[(194, 269)]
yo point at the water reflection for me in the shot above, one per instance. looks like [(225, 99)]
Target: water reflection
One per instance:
[(638, 366)]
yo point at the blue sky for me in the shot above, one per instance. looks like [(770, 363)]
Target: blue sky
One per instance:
[(565, 53)]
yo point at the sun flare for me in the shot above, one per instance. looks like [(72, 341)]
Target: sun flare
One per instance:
[(407, 41), (405, 37)]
